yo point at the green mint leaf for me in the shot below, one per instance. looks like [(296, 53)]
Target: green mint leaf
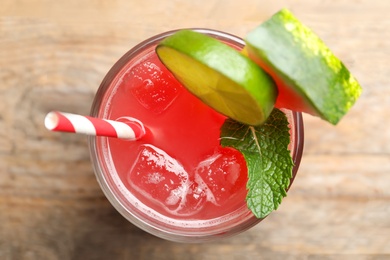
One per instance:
[(269, 162)]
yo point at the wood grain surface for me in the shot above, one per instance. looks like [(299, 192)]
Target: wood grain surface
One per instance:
[(54, 54)]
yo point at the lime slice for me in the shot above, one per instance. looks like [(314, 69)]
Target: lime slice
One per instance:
[(219, 75), (310, 78)]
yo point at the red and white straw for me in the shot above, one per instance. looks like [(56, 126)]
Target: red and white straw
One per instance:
[(128, 128)]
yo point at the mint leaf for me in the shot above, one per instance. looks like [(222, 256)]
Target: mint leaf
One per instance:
[(269, 162)]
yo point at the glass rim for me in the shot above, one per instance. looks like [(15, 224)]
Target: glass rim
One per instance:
[(169, 233)]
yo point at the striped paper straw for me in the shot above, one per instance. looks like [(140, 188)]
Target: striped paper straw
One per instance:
[(129, 128)]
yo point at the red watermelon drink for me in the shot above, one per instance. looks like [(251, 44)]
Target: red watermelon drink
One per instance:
[(177, 182), (209, 148)]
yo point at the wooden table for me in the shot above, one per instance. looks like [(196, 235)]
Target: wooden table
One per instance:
[(54, 54)]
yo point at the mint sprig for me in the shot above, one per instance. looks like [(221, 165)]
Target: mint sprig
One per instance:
[(269, 162)]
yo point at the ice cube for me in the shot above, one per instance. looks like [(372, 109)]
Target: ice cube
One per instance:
[(152, 85), (224, 173), (195, 199), (159, 178)]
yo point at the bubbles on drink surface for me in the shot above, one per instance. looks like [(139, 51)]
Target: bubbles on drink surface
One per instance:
[(152, 86), (162, 180)]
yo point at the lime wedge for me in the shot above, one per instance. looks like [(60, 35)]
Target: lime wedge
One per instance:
[(219, 75), (310, 78)]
